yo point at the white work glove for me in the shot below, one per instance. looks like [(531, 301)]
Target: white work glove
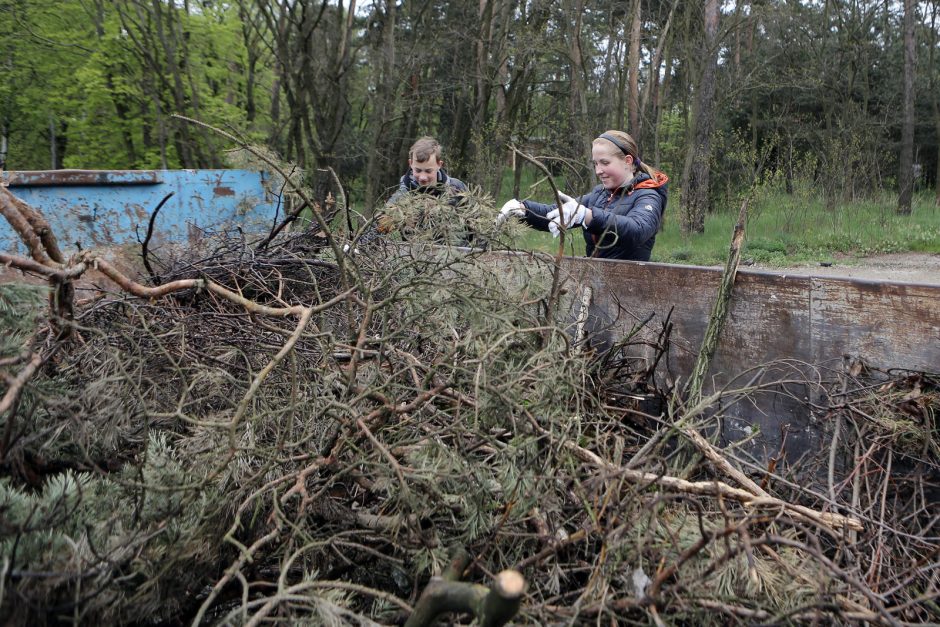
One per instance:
[(511, 208), (573, 213)]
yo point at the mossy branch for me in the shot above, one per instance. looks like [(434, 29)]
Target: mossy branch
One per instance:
[(719, 309)]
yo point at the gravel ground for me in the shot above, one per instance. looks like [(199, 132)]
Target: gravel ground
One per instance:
[(901, 267)]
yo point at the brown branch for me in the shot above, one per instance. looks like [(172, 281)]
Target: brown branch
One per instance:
[(142, 291), (719, 309), (291, 217), (12, 395), (42, 228), (344, 200), (563, 229), (134, 288), (723, 464), (552, 549), (146, 242), (715, 488), (10, 209), (36, 267), (492, 607), (385, 452), (62, 292)]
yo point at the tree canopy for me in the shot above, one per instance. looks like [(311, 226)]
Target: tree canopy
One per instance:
[(809, 91)]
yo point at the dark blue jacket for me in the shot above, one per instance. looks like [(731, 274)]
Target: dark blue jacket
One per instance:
[(445, 185), (446, 188), (624, 222)]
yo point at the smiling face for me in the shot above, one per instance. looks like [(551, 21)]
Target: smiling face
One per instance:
[(611, 166), (425, 172)]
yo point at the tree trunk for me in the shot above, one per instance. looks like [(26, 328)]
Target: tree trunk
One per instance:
[(4, 133), (622, 82), (651, 93), (121, 107), (906, 175), (936, 122), (251, 65), (577, 84), (384, 92), (608, 80), (658, 96), (185, 146), (695, 174), (634, 65)]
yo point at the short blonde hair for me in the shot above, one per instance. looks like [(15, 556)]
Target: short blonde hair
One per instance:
[(424, 148)]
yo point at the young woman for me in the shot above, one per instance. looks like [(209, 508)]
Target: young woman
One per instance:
[(619, 217)]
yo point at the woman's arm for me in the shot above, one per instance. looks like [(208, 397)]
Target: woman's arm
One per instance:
[(639, 224), (536, 212)]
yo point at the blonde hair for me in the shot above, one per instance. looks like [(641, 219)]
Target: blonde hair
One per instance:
[(625, 145), (424, 148)]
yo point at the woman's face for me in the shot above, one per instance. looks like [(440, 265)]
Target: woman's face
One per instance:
[(611, 166)]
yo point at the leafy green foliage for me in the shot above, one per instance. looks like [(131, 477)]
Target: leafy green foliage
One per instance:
[(96, 79)]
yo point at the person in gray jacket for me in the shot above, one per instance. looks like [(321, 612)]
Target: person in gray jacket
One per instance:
[(426, 184), (620, 217), (426, 173)]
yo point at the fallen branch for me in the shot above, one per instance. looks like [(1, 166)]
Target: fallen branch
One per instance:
[(492, 607), (10, 208), (36, 267), (12, 395), (719, 309), (146, 242), (42, 228), (715, 488), (556, 274)]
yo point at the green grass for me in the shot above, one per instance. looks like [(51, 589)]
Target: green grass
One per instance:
[(788, 229), (783, 230)]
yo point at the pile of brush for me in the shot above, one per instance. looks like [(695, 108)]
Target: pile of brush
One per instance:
[(287, 430)]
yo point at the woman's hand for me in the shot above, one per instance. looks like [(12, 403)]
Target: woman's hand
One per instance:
[(573, 213), (511, 208)]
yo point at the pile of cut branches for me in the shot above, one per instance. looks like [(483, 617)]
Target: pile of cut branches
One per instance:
[(290, 432)]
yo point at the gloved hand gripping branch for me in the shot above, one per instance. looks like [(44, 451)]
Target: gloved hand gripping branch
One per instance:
[(572, 212), (511, 208)]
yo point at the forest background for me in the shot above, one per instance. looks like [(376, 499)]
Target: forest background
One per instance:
[(832, 105)]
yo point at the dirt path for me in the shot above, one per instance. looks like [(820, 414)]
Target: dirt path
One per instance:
[(902, 267)]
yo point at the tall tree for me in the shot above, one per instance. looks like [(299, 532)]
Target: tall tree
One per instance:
[(158, 34), (634, 65), (382, 103), (906, 174), (651, 93), (697, 169), (577, 81), (933, 67)]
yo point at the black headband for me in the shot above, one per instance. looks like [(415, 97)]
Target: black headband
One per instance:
[(615, 142), (623, 149)]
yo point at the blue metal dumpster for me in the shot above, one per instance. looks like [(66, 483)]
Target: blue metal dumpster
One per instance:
[(104, 208)]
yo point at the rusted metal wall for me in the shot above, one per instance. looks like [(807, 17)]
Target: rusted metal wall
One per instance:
[(803, 325), (104, 208)]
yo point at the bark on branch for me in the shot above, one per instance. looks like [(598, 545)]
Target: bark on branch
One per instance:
[(11, 209), (717, 488), (720, 309), (492, 607)]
